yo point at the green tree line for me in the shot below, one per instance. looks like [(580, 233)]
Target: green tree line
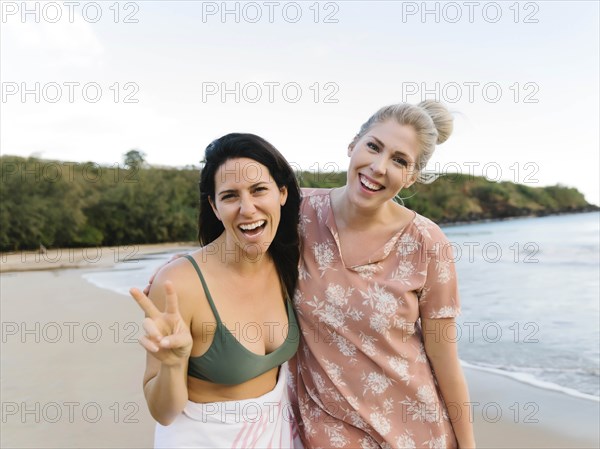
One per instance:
[(68, 204)]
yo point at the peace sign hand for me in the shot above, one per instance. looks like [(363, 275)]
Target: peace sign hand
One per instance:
[(167, 338)]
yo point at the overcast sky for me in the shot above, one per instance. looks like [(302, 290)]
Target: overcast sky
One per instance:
[(169, 77)]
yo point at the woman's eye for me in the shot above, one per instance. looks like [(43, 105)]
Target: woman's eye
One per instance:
[(399, 160), (226, 197), (261, 189), (372, 146)]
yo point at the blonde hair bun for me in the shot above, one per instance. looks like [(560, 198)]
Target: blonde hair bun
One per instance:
[(442, 118)]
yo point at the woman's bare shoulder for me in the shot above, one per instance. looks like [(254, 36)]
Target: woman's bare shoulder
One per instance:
[(185, 279)]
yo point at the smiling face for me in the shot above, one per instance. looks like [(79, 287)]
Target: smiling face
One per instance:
[(248, 202), (382, 162)]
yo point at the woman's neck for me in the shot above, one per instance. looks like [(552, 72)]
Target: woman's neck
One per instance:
[(352, 217), (236, 259)]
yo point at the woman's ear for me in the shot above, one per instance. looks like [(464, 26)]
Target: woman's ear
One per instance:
[(352, 145), (212, 205), (411, 179), (283, 194)]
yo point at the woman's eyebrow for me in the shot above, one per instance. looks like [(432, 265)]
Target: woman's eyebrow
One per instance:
[(223, 192), (397, 152), (404, 155), (379, 142), (235, 190)]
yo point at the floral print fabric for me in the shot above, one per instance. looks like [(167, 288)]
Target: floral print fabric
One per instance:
[(361, 378)]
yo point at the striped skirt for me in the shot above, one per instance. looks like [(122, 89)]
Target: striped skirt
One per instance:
[(263, 422)]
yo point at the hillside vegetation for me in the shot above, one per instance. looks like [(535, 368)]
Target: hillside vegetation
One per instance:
[(68, 204)]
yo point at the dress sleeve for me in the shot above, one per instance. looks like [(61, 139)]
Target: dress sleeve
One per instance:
[(439, 297)]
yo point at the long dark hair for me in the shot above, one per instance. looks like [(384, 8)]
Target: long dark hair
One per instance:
[(285, 246)]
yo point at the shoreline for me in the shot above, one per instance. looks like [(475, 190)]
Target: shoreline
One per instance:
[(532, 381), (517, 217), (107, 256), (86, 257)]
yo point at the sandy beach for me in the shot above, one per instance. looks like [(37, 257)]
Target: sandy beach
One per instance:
[(93, 257), (71, 366), (71, 371)]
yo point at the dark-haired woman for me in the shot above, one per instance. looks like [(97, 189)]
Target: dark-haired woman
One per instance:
[(219, 322)]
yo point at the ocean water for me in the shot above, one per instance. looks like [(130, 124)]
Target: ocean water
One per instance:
[(530, 294), (530, 297)]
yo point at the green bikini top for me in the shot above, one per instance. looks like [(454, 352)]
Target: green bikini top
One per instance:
[(227, 361)]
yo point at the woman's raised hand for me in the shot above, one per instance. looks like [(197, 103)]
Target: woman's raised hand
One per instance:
[(167, 338)]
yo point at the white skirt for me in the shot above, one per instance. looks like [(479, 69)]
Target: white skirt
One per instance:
[(263, 422)]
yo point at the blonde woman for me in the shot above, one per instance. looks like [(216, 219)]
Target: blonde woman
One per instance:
[(376, 300)]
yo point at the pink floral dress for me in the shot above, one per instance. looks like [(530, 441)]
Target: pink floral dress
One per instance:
[(361, 378)]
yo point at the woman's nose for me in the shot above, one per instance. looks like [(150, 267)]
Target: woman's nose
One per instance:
[(247, 206), (378, 165)]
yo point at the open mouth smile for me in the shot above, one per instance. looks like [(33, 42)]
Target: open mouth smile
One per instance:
[(253, 229), (369, 185)]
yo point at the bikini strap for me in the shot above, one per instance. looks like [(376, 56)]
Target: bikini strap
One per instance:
[(205, 287)]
